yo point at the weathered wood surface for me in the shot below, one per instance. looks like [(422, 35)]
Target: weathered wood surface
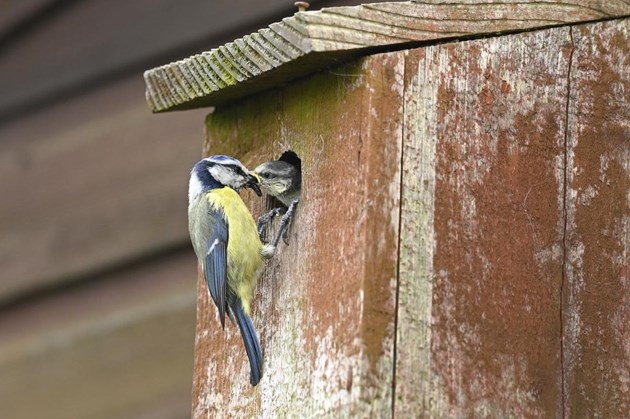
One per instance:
[(513, 236), (92, 40), (311, 41), (596, 311), (79, 194), (120, 346), (513, 298), (325, 307), (479, 330)]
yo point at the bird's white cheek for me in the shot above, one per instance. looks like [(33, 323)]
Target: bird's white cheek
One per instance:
[(226, 177), (281, 186)]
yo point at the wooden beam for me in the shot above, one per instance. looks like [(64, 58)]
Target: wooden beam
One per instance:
[(120, 345), (312, 40), (91, 184), (15, 14), (58, 56), (36, 69)]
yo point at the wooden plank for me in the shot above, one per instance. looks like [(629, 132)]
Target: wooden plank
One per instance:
[(325, 307), (479, 330), (61, 56), (91, 184), (308, 41), (597, 275), (119, 345), (412, 392), (16, 14), (122, 34)]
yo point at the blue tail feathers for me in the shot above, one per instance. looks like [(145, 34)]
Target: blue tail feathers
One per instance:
[(252, 346)]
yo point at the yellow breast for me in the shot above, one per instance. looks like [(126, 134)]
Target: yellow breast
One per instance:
[(244, 245)]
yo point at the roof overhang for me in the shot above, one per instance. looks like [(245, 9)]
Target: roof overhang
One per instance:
[(310, 41)]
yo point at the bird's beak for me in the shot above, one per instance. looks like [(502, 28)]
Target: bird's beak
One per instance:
[(253, 182)]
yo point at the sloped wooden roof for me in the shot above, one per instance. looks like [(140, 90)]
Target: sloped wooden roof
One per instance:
[(310, 41)]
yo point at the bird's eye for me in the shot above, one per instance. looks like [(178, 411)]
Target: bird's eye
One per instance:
[(265, 175)]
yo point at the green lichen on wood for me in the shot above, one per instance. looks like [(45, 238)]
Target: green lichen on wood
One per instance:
[(295, 115)]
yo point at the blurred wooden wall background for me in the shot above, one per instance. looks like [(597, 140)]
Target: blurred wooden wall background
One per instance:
[(97, 279)]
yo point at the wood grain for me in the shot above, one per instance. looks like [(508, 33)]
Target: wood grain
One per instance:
[(90, 185), (325, 307), (309, 41), (118, 346), (597, 274), (479, 330), (413, 394)]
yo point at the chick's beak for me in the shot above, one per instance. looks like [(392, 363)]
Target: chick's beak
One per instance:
[(253, 182)]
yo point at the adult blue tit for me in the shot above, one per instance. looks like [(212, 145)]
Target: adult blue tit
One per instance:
[(226, 241), (283, 181)]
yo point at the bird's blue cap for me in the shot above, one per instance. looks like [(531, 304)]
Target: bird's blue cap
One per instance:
[(221, 159)]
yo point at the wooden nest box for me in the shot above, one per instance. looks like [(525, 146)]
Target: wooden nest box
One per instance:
[(461, 247)]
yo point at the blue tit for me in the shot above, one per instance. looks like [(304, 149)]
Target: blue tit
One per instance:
[(226, 241), (283, 181)]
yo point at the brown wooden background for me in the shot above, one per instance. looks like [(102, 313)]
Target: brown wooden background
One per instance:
[(97, 280)]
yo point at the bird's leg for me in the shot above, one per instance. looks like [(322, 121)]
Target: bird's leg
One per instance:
[(265, 219), (269, 250), (290, 210), (283, 230)]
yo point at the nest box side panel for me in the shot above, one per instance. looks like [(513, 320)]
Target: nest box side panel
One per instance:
[(479, 328), (597, 276)]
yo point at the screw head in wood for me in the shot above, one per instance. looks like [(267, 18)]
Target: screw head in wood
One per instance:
[(301, 5)]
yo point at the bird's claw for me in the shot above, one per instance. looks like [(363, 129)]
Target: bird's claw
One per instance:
[(283, 230), (285, 236), (264, 220)]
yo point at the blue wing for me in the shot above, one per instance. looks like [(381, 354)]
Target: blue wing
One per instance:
[(215, 263)]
